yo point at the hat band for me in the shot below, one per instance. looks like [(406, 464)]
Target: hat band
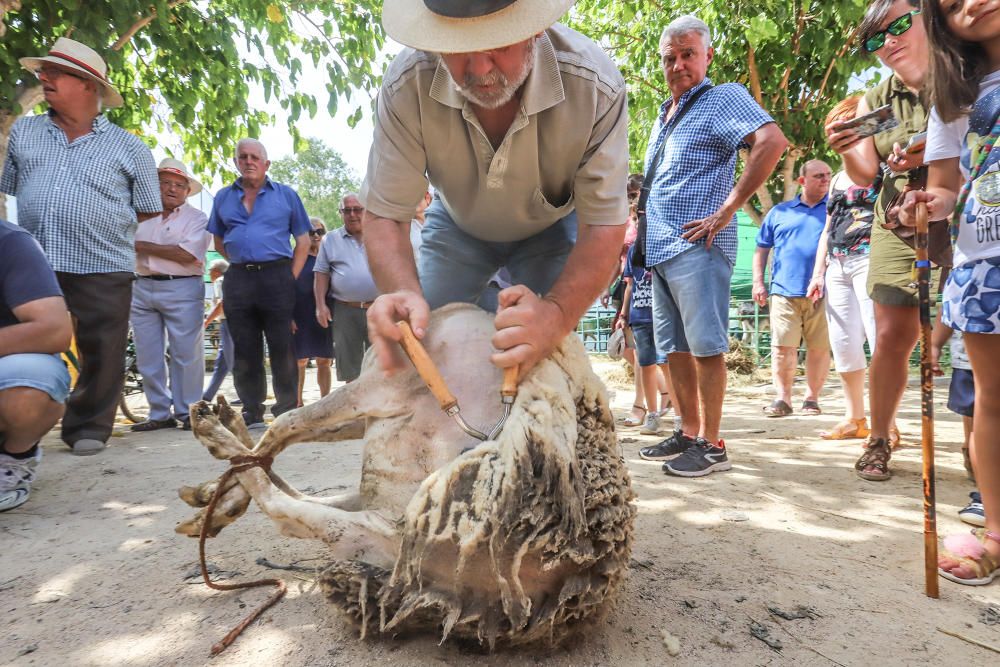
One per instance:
[(174, 171), (78, 63), (467, 9)]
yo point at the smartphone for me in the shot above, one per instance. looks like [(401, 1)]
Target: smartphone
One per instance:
[(916, 143), (872, 123)]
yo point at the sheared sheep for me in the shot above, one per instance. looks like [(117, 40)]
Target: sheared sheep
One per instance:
[(522, 539)]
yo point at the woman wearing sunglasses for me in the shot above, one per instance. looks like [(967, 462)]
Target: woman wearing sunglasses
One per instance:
[(892, 30), (309, 339)]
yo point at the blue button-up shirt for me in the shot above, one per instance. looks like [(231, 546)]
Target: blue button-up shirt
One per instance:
[(264, 235), (695, 175), (793, 229), (79, 199)]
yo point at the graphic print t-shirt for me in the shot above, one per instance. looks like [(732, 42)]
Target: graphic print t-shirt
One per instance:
[(979, 229)]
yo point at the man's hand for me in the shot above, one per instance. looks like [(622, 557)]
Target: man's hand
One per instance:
[(295, 327), (816, 287), (528, 328), (383, 333), (707, 227), (323, 314), (760, 294)]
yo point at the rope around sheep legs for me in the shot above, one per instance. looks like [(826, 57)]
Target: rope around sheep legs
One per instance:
[(239, 464)]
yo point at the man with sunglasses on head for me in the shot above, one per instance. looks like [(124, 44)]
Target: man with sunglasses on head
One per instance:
[(344, 289), (82, 185), (253, 220), (521, 126)]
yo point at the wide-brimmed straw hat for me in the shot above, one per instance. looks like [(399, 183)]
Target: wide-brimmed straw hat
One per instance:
[(460, 26), (171, 166), (73, 55)]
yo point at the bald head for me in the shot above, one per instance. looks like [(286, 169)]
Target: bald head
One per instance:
[(814, 177)]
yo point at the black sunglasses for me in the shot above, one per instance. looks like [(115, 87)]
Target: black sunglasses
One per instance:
[(896, 28), (353, 210), (317, 232)]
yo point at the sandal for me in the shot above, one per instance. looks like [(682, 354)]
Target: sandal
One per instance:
[(876, 455), (849, 428), (967, 550), (665, 403), (778, 409), (894, 438), (810, 408), (636, 421)]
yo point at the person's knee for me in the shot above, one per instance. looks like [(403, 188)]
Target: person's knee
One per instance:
[(322, 363), (26, 407)]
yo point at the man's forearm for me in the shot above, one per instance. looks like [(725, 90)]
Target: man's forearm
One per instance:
[(390, 255), (32, 337), (321, 286), (299, 254), (759, 261), (220, 246), (174, 253), (582, 279)]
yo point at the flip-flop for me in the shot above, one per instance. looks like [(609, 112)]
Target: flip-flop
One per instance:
[(810, 408), (778, 409)]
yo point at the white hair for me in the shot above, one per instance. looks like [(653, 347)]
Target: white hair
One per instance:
[(685, 25), (219, 265), (255, 142)]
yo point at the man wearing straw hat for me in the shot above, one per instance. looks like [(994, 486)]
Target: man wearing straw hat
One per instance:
[(520, 124), (169, 298), (82, 183)]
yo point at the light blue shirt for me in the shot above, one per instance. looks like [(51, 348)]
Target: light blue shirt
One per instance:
[(79, 199), (264, 235), (343, 257), (695, 174)]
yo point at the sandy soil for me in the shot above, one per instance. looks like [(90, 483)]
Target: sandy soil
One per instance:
[(93, 573)]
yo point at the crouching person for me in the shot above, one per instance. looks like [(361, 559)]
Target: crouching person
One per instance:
[(34, 328)]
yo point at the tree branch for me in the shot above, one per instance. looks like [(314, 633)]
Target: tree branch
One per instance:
[(139, 25), (800, 25), (754, 74), (7, 6), (647, 84)]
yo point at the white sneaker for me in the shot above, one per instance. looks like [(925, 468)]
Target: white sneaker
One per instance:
[(16, 476), (652, 424)]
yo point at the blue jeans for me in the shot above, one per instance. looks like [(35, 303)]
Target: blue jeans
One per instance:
[(456, 267), (45, 372), (223, 362), (691, 302)]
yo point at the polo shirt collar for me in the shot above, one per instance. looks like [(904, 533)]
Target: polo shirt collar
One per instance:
[(542, 90), (797, 201)]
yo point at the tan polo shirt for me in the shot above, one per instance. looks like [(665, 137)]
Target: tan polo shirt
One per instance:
[(567, 147)]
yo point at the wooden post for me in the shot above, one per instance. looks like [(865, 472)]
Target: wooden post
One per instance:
[(926, 405)]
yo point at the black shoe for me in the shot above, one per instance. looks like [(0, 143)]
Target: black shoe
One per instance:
[(702, 459), (154, 424), (185, 424), (668, 449)]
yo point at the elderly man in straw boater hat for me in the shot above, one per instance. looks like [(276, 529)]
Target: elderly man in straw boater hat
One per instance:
[(81, 184), (169, 298), (520, 124)]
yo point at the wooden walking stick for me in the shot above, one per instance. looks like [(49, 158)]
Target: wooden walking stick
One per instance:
[(923, 268)]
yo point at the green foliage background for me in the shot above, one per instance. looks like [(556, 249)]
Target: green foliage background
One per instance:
[(320, 176)]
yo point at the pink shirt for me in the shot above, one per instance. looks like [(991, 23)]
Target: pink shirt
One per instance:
[(185, 227)]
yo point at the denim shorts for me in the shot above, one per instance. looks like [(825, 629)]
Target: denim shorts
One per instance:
[(455, 266), (691, 302), (645, 345), (45, 372), (962, 392)]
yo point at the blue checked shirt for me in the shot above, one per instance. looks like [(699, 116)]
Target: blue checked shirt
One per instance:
[(695, 175), (79, 200)]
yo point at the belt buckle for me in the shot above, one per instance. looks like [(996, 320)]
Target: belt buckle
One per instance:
[(254, 267)]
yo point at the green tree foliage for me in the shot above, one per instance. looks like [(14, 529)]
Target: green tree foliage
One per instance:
[(320, 176), (187, 66), (795, 56)]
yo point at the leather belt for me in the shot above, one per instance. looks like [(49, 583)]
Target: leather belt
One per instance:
[(363, 305), (163, 276), (260, 266)]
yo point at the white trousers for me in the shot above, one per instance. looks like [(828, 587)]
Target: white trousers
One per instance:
[(850, 312)]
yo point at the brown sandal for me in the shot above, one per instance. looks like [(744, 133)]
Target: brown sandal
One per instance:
[(849, 428), (876, 455)]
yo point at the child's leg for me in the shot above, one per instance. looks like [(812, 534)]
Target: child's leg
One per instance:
[(968, 448)]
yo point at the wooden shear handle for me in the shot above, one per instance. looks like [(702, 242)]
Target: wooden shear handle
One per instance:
[(509, 387), (425, 367)]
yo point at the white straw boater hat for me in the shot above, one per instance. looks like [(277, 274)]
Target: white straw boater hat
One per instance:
[(460, 26), (172, 166), (73, 55)]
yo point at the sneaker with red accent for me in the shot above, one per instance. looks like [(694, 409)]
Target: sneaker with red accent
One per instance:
[(700, 459)]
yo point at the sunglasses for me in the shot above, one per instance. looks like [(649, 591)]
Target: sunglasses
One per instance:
[(53, 73), (896, 28), (353, 210), (317, 232)]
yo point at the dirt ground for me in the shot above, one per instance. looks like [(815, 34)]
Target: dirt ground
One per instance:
[(93, 573)]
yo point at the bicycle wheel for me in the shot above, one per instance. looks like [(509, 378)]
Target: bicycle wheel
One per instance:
[(133, 404)]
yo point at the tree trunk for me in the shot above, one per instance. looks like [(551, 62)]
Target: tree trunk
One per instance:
[(752, 212), (788, 180)]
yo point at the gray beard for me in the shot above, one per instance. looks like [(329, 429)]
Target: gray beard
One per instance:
[(508, 88)]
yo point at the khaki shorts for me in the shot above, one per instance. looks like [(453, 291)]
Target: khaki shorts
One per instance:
[(795, 318), (890, 270)]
